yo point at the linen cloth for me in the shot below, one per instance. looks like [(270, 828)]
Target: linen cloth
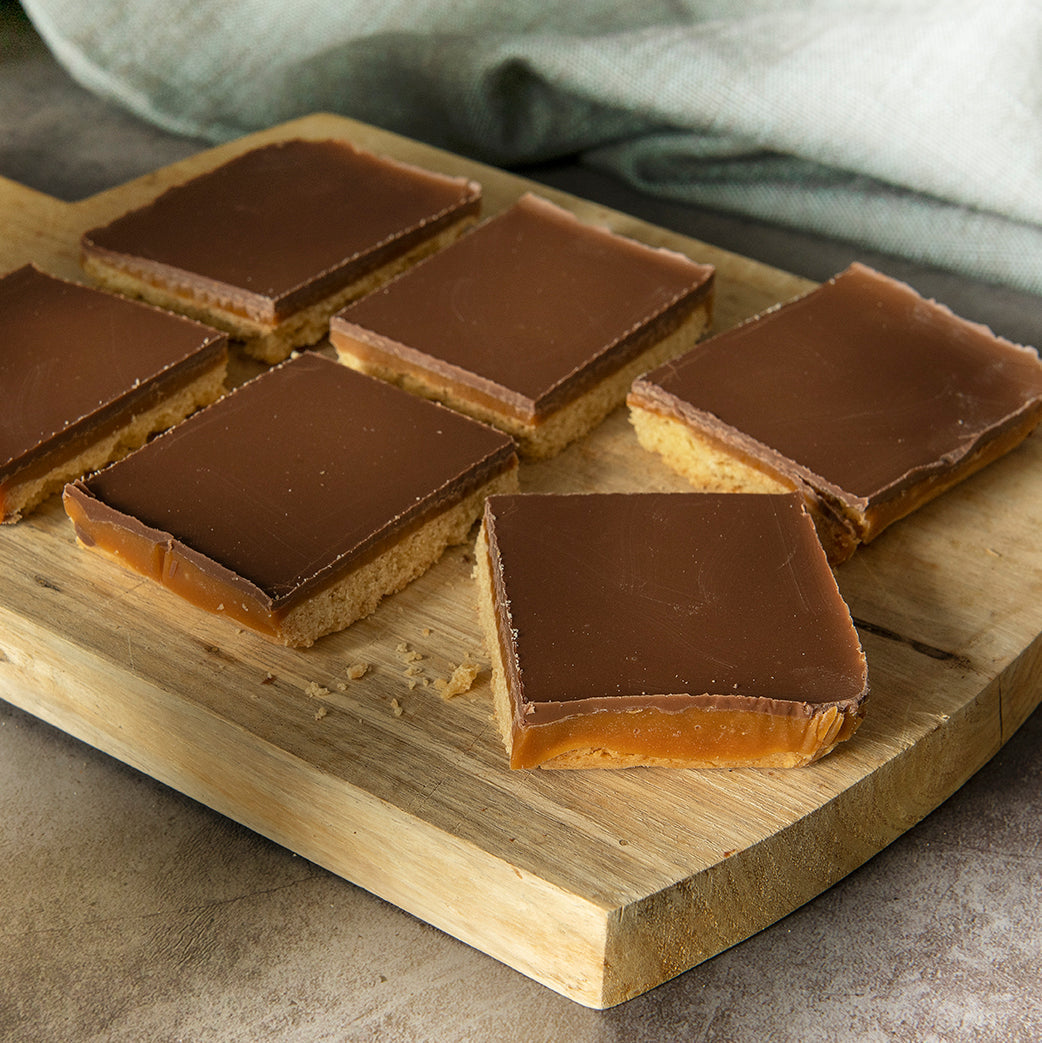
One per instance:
[(913, 127)]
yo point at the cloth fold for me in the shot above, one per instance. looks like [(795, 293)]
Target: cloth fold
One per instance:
[(912, 127)]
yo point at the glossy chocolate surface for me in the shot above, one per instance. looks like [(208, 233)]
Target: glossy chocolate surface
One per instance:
[(296, 476), (618, 601), (282, 226), (74, 359), (860, 389), (529, 308)]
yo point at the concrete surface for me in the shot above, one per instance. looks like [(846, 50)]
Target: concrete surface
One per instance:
[(129, 912)]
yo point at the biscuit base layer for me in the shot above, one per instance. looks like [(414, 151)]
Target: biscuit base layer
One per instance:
[(541, 437), (330, 608), (267, 342), (23, 493), (711, 466), (697, 737)]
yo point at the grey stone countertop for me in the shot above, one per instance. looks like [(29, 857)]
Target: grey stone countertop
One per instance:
[(142, 915)]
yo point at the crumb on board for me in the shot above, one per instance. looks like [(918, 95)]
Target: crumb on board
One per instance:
[(316, 691), (407, 654), (461, 680), (356, 671), (426, 631), (320, 713), (396, 708)]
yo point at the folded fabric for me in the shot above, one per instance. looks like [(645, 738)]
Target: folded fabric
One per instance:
[(909, 126)]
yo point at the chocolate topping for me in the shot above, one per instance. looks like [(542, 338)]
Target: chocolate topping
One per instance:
[(614, 601), (529, 308), (295, 477), (74, 360), (860, 389), (283, 226)]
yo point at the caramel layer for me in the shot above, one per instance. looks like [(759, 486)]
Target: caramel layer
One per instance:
[(665, 628), (695, 737), (297, 479), (332, 605)]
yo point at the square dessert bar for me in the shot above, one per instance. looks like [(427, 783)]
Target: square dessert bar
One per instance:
[(671, 629), (533, 322), (270, 244), (861, 394), (298, 501), (86, 376)]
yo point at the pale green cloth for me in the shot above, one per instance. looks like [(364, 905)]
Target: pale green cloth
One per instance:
[(909, 126)]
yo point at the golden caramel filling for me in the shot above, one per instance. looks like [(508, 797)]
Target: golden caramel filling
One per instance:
[(166, 564), (694, 735)]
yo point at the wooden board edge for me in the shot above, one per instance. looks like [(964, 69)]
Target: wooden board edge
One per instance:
[(1020, 688), (670, 932)]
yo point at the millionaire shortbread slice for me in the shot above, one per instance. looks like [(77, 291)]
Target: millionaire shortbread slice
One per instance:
[(297, 502), (864, 396), (535, 322), (671, 629), (86, 376), (270, 244)]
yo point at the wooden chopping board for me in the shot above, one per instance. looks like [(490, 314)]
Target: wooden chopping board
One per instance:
[(600, 885)]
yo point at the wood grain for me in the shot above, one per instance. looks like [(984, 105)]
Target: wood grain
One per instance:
[(600, 885)]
